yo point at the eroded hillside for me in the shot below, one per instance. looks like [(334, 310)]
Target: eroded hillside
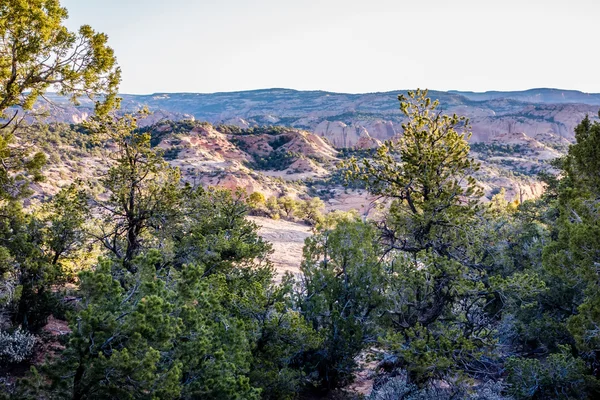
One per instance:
[(280, 161)]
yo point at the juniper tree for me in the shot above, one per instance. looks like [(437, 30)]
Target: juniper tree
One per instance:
[(143, 191), (38, 53), (214, 231), (339, 294), (569, 325), (35, 248), (437, 290), (427, 173)]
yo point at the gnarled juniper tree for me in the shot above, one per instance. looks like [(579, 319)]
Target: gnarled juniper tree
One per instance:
[(437, 292)]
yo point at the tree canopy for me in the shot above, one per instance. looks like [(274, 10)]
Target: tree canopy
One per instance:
[(38, 52)]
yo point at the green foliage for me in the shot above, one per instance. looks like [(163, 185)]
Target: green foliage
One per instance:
[(143, 191), (282, 337), (18, 169), (427, 174), (119, 334), (216, 233), (428, 170), (340, 291), (582, 163), (214, 327), (279, 141), (311, 210), (276, 160), (549, 301), (460, 296), (438, 291), (273, 207), (288, 206), (437, 316), (64, 218), (190, 312), (561, 376), (37, 249), (165, 334), (256, 199), (257, 203), (571, 259), (38, 52), (336, 217)]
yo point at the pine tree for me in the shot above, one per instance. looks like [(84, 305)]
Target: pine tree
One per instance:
[(437, 290), (35, 249), (428, 175), (38, 52)]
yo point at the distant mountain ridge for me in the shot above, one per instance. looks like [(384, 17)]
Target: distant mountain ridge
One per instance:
[(541, 95), (349, 120)]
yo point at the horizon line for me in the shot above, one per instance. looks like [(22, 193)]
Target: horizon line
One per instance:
[(456, 91)]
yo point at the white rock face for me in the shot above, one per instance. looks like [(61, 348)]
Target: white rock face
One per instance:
[(558, 121), (239, 122), (379, 129), (79, 118), (362, 134), (486, 130), (341, 135)]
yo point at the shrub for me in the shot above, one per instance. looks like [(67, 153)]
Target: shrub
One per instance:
[(288, 205), (398, 388), (311, 210), (276, 161), (16, 347), (273, 208), (340, 293), (256, 201), (560, 376)]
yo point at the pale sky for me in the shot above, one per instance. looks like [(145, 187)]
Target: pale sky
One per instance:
[(353, 46)]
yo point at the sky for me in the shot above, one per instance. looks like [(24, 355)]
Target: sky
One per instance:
[(350, 46)]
